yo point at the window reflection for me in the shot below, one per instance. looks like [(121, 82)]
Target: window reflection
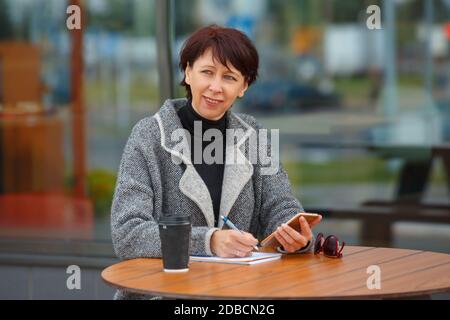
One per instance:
[(357, 109), (362, 113), (50, 143)]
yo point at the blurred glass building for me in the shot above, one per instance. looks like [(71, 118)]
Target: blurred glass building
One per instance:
[(363, 113)]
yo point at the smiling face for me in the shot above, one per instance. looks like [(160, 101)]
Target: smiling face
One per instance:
[(214, 86)]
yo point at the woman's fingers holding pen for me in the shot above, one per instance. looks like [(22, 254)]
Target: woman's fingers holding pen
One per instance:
[(245, 242), (247, 239), (220, 244), (230, 243)]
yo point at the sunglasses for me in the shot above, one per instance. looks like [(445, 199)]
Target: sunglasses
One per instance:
[(329, 246)]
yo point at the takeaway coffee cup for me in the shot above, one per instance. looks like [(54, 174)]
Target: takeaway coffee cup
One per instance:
[(175, 235)]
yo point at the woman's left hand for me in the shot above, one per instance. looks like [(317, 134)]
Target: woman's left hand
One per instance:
[(292, 240)]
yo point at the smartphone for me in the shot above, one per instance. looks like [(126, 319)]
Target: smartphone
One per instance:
[(271, 241)]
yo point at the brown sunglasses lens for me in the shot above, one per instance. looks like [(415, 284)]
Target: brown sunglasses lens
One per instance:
[(329, 246), (318, 243)]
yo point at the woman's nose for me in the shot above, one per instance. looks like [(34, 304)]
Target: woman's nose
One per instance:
[(215, 85)]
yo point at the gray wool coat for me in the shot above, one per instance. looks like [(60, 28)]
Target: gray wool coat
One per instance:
[(153, 182)]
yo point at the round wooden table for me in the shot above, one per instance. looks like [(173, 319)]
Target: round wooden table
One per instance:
[(404, 273)]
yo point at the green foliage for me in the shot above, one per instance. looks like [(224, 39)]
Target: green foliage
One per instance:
[(141, 90), (345, 171), (101, 184)]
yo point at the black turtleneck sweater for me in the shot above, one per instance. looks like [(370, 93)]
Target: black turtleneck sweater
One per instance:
[(212, 174)]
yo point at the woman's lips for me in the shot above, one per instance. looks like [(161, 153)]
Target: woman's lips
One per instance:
[(211, 102)]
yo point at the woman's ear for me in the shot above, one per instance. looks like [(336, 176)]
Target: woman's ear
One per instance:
[(241, 94), (187, 74)]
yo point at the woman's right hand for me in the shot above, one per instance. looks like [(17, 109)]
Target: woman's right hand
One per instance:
[(232, 243)]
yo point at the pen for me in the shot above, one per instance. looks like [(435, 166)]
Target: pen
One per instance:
[(232, 226)]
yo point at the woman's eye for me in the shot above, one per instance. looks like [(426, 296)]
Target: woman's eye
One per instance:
[(207, 72), (230, 78)]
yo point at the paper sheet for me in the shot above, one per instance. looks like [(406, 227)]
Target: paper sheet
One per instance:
[(255, 258)]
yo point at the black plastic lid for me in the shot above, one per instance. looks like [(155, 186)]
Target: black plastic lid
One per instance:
[(175, 219)]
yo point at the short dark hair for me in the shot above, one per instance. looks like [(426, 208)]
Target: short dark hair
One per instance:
[(227, 44)]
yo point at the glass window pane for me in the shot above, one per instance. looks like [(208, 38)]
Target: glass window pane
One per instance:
[(45, 146), (362, 112)]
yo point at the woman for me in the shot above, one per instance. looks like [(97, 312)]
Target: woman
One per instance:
[(156, 179)]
